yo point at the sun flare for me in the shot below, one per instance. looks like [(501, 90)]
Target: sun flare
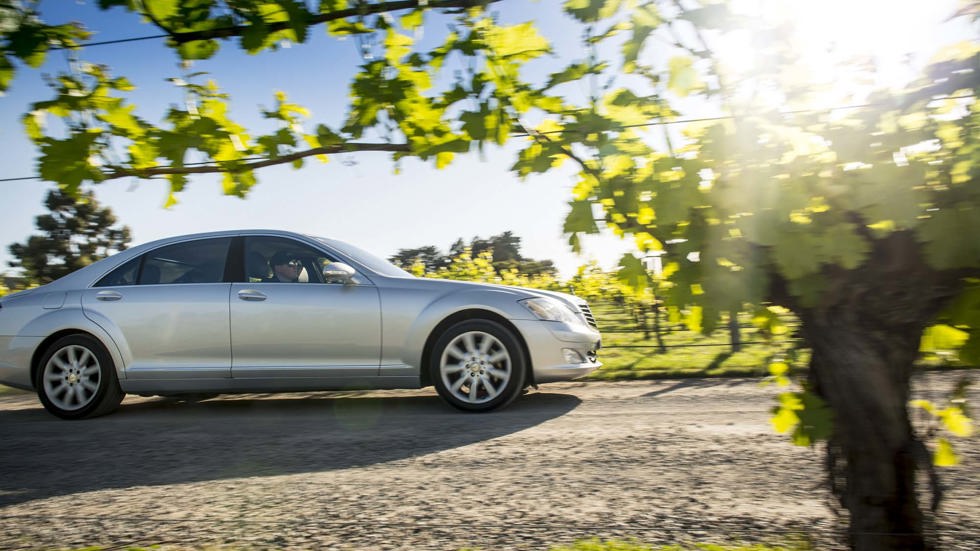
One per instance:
[(852, 46)]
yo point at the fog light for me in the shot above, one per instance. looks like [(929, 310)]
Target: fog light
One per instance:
[(573, 356)]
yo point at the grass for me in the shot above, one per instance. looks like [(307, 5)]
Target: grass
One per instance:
[(628, 353)]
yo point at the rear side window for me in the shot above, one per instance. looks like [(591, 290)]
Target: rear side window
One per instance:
[(126, 274), (201, 261)]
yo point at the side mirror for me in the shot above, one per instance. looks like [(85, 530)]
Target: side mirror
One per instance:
[(338, 272)]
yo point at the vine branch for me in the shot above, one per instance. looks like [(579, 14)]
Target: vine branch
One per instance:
[(360, 10), (255, 165)]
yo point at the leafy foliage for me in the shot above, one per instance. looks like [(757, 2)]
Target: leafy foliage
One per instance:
[(26, 39), (393, 95), (852, 219), (75, 233)]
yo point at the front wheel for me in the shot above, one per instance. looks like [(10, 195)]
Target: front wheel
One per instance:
[(78, 379), (478, 365)]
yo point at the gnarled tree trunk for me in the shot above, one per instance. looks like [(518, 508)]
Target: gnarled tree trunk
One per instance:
[(864, 377), (864, 335)]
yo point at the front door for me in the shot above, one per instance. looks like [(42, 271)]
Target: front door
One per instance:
[(286, 323)]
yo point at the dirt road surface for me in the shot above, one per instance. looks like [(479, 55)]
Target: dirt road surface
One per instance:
[(660, 461)]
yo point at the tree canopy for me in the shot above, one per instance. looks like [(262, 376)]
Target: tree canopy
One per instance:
[(76, 232), (850, 202), (504, 252)]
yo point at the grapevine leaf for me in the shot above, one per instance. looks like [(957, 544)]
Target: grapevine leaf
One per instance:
[(944, 455), (684, 78)]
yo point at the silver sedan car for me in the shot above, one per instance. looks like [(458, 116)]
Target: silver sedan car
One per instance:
[(274, 311)]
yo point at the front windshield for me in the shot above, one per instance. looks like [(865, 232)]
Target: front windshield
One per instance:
[(370, 261)]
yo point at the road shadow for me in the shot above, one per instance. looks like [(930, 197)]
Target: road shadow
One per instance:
[(161, 442), (681, 384)]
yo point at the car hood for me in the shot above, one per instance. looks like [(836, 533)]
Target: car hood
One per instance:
[(519, 293)]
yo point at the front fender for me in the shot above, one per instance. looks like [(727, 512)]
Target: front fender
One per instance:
[(499, 302)]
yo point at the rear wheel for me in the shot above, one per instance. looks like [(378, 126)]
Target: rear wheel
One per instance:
[(478, 365), (78, 379)]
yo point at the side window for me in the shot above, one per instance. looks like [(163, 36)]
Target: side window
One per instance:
[(281, 260), (200, 261), (123, 275)]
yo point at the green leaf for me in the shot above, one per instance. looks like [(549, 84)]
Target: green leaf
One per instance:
[(956, 422), (397, 46), (521, 42), (924, 405), (942, 337), (944, 455), (683, 78), (344, 27), (443, 159), (6, 74), (198, 49), (645, 20), (580, 218), (793, 251), (633, 273), (34, 125), (413, 20), (942, 234), (590, 11), (843, 244), (805, 414), (784, 420), (778, 369), (572, 73), (694, 319)]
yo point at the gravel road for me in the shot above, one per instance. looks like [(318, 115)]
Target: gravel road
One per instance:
[(660, 461)]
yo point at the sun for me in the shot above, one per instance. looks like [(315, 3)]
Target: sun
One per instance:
[(850, 46)]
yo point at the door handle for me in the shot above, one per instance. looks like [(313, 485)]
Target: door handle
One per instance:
[(249, 294), (107, 296)]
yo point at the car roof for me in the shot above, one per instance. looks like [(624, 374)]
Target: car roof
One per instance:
[(93, 272)]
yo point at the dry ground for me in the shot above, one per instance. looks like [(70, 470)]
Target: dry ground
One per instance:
[(661, 461)]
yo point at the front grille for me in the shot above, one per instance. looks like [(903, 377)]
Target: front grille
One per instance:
[(587, 312)]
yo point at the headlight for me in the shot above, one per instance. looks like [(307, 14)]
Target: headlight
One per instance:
[(551, 310)]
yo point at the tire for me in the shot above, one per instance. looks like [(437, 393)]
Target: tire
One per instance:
[(77, 379), (478, 365)]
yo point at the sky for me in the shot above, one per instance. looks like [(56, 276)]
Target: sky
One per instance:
[(356, 197)]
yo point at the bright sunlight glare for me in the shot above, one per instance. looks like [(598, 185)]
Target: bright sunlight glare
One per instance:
[(889, 39)]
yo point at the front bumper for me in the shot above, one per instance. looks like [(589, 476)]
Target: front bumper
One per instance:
[(551, 344)]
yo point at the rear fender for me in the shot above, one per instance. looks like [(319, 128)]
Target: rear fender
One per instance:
[(65, 321)]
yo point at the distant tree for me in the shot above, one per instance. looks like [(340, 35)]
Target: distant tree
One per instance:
[(505, 246), (429, 256), (74, 234), (527, 266), (502, 250), (458, 247)]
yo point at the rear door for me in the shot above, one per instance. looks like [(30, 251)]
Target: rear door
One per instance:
[(168, 310)]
